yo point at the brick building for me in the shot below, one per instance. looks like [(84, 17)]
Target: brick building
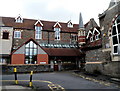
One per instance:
[(43, 42)]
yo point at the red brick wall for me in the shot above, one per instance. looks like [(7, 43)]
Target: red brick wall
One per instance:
[(17, 59), (42, 58)]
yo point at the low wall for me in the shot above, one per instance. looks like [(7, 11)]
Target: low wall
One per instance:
[(25, 68), (110, 68), (36, 68)]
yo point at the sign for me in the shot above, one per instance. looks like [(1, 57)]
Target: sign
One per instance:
[(42, 62)]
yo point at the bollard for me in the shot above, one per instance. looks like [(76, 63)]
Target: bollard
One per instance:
[(30, 83), (15, 72)]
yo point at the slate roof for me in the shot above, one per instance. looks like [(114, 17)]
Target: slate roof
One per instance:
[(63, 52), (29, 24)]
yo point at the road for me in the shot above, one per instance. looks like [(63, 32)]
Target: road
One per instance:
[(63, 80)]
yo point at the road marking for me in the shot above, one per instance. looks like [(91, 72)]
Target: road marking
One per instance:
[(53, 87), (56, 87), (94, 80)]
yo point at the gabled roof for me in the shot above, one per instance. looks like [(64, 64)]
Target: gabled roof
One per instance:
[(29, 24), (95, 29), (91, 24), (38, 21), (30, 39), (55, 51), (57, 23), (89, 34), (113, 2)]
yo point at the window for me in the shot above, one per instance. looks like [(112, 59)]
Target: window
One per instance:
[(19, 19), (70, 25), (73, 37), (91, 39), (116, 36), (17, 34), (38, 32), (57, 33), (5, 35), (30, 53), (97, 37)]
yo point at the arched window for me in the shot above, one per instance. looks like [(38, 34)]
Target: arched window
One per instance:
[(30, 53), (116, 36)]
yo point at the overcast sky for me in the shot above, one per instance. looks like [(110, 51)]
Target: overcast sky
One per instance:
[(54, 10)]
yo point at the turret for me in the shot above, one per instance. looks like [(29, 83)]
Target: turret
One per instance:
[(81, 31)]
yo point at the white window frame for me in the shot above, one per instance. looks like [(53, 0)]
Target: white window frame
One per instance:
[(97, 37), (19, 19), (70, 25), (38, 32), (117, 35), (91, 39), (57, 33), (17, 34)]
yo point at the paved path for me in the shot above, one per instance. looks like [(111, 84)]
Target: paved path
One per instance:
[(61, 80)]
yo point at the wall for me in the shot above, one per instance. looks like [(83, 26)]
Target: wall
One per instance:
[(6, 69), (26, 34), (42, 59), (95, 55), (17, 59), (106, 68), (6, 44), (27, 68), (105, 24)]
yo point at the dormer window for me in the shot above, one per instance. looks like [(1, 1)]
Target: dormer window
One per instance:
[(69, 24), (57, 33), (57, 29), (97, 37), (19, 19), (91, 39), (38, 29)]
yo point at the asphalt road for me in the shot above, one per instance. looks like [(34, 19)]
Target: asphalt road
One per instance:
[(62, 80)]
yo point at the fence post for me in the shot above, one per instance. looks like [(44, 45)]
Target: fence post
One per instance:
[(15, 72), (30, 83)]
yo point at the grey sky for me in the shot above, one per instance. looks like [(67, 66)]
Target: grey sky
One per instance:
[(54, 10)]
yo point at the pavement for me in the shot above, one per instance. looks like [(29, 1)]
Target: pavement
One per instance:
[(15, 87)]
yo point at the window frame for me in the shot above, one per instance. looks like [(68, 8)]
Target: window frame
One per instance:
[(31, 52), (5, 37), (97, 37), (16, 33), (117, 35), (91, 39), (38, 32), (57, 33)]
